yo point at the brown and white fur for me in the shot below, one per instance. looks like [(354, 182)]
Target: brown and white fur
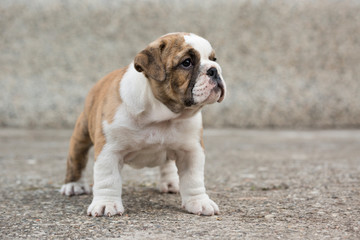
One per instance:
[(145, 115)]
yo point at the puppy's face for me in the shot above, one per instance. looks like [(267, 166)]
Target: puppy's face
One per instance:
[(182, 71)]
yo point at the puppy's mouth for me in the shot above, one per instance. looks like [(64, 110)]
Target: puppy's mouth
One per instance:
[(220, 85), (208, 91), (219, 90)]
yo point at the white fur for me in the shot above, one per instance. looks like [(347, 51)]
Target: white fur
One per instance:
[(76, 188), (137, 97), (145, 133), (107, 184), (169, 179)]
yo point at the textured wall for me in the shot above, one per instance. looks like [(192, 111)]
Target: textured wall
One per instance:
[(286, 64)]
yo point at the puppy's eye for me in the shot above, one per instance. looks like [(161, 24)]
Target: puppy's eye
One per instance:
[(186, 63), (214, 59)]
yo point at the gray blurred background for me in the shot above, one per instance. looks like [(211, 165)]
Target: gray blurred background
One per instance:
[(287, 64)]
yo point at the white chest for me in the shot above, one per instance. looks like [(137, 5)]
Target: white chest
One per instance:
[(146, 143), (147, 147)]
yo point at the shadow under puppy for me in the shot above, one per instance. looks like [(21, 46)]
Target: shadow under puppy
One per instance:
[(145, 115)]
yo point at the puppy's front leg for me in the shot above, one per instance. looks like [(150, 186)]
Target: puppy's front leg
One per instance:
[(107, 185), (191, 172)]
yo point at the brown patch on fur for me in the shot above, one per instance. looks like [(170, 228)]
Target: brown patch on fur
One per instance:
[(105, 98), (174, 84), (149, 62), (101, 104), (212, 56), (78, 153)]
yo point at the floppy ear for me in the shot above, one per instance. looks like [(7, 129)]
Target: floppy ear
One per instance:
[(149, 62)]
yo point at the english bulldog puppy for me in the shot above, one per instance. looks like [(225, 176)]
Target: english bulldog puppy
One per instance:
[(145, 115)]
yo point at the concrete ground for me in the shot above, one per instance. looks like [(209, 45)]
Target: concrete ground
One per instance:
[(268, 184)]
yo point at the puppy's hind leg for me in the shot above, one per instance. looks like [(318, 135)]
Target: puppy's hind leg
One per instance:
[(169, 178), (80, 144)]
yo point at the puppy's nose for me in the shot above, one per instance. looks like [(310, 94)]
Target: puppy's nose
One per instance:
[(212, 72)]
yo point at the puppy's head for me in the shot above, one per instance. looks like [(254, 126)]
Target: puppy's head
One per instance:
[(182, 71)]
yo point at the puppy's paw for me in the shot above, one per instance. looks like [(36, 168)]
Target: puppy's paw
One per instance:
[(75, 188), (201, 206), (105, 207), (171, 186)]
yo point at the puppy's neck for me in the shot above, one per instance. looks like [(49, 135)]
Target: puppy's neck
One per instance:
[(136, 94)]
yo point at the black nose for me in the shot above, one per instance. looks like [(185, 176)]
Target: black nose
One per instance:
[(212, 72)]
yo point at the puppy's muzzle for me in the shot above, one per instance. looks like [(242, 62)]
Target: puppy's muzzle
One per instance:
[(214, 76)]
